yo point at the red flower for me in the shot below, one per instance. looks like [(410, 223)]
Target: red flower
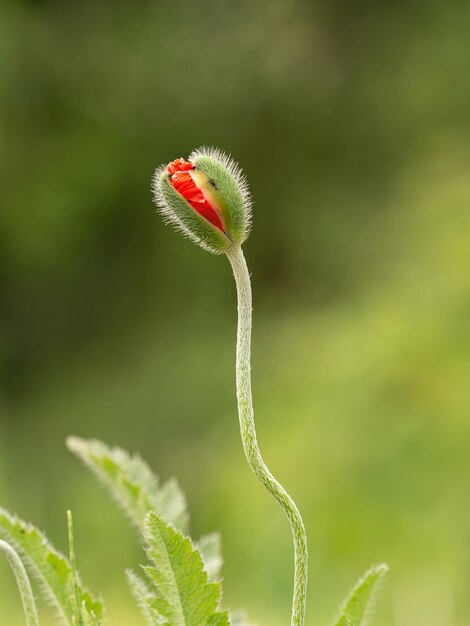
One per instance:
[(183, 182)]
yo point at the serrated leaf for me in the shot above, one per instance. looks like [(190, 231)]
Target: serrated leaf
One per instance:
[(132, 483), (210, 546), (184, 596), (60, 586), (219, 619), (145, 598), (358, 605)]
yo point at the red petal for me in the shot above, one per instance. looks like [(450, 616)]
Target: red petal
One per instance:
[(185, 185), (179, 165)]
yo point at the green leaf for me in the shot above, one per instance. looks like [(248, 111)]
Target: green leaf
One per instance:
[(183, 595), (219, 619), (358, 605), (22, 580), (210, 546), (132, 483), (144, 597), (60, 584)]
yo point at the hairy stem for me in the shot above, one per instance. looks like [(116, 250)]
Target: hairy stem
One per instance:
[(24, 586), (77, 617), (248, 434)]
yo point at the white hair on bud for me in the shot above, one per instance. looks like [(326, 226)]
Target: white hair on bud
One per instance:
[(235, 170)]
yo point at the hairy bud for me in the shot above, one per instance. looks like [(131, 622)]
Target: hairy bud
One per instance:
[(206, 198)]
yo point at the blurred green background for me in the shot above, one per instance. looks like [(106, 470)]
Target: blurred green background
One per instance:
[(352, 123)]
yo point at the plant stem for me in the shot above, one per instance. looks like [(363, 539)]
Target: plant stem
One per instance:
[(248, 434), (78, 617), (24, 586)]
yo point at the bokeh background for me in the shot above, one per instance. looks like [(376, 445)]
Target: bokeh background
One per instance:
[(352, 123)]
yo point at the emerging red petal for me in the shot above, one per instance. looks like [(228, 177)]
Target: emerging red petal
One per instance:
[(184, 184), (179, 165)]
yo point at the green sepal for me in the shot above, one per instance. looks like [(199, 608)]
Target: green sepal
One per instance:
[(190, 222), (226, 193)]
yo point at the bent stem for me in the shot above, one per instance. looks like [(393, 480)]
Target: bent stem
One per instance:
[(248, 434), (24, 586)]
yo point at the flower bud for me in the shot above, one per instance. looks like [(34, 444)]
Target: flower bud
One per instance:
[(206, 198)]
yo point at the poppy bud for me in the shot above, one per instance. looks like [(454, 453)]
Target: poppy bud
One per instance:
[(206, 198)]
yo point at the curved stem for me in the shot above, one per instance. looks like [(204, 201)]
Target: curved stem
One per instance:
[(248, 434), (24, 586)]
